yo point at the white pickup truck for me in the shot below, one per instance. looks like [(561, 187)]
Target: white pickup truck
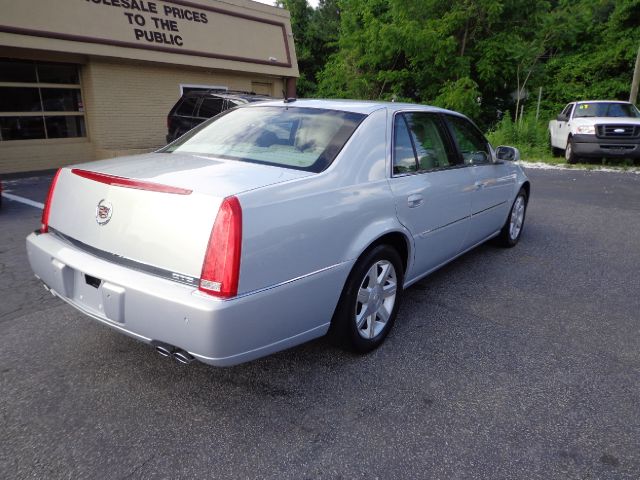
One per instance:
[(596, 129)]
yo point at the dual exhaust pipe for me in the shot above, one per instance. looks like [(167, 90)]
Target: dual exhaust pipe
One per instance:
[(177, 354)]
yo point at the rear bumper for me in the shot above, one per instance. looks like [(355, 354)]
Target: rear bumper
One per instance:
[(593, 146), (152, 309)]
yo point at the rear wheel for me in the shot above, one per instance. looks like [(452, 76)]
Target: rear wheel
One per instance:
[(569, 156), (370, 300)]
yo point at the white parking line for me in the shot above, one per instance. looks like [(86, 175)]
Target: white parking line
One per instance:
[(26, 201)]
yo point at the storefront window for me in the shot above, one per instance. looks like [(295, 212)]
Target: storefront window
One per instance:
[(39, 101)]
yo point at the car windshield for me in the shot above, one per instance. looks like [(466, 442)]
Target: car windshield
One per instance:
[(301, 138), (606, 109)]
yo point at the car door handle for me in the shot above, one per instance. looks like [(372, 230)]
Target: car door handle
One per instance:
[(414, 200), (479, 185)]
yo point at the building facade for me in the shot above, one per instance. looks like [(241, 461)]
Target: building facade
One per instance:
[(83, 80)]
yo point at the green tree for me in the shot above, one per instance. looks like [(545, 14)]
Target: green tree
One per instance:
[(315, 33)]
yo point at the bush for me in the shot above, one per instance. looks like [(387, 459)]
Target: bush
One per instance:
[(531, 137)]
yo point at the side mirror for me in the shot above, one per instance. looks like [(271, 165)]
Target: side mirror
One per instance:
[(509, 154), (562, 118)]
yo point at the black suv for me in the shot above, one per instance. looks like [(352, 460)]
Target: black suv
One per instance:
[(195, 107)]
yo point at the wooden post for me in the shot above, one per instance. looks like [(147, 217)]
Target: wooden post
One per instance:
[(538, 108), (636, 79)]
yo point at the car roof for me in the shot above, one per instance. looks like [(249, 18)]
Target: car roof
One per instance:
[(365, 107)]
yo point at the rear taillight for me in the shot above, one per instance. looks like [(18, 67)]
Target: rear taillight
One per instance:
[(44, 225), (221, 267)]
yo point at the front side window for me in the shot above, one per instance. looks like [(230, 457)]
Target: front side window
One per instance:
[(40, 101), (567, 110), (471, 143), (301, 138)]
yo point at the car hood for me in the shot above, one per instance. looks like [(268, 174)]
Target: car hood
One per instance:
[(605, 120)]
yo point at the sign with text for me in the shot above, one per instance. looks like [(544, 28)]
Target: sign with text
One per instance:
[(170, 26)]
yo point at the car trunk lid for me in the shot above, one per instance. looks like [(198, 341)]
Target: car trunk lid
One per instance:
[(155, 210)]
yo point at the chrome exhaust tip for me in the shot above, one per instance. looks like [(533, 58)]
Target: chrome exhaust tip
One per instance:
[(164, 350), (183, 357)]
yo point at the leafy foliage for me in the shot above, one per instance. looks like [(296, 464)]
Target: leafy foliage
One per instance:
[(481, 57), (529, 134), (315, 33)]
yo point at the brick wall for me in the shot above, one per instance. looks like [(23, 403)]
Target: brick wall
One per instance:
[(126, 107), (127, 104)]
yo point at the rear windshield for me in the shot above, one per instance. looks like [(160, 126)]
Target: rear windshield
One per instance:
[(606, 109), (301, 138)]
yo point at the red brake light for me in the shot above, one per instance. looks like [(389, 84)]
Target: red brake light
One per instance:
[(129, 183), (44, 225), (221, 267)]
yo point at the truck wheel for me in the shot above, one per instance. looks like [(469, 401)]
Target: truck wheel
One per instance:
[(569, 156)]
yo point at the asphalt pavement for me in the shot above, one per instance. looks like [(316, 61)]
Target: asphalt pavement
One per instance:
[(506, 364)]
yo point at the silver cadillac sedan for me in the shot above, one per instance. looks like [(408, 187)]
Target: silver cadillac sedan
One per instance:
[(275, 223)]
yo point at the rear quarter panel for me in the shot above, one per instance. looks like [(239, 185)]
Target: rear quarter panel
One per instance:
[(304, 226)]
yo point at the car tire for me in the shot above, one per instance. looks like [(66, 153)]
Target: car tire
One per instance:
[(512, 229), (569, 156), (369, 302)]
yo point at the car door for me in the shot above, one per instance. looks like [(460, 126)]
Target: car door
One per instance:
[(493, 184), (432, 188), (561, 133)]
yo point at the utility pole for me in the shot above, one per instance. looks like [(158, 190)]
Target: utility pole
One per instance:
[(538, 107), (636, 79)]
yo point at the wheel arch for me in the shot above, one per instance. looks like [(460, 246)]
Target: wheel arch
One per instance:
[(527, 188), (397, 240)]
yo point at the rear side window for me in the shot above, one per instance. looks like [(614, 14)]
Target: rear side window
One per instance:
[(421, 144), (210, 107), (430, 141), (404, 158), (187, 107), (472, 144)]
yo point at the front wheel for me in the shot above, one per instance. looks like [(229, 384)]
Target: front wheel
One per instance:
[(370, 300), (569, 156), (512, 229)]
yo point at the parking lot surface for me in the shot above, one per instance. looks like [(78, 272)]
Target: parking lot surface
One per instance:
[(505, 364)]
